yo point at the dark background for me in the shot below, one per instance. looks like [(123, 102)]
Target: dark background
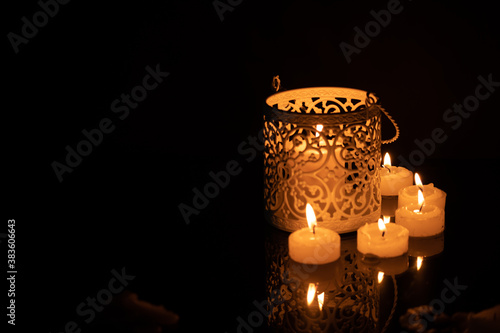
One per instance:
[(119, 207)]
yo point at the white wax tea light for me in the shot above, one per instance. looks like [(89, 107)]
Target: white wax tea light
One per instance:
[(314, 245), (393, 178), (421, 219), (432, 195), (383, 240)]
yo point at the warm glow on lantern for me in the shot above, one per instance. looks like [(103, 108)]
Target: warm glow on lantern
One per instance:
[(380, 277), (311, 218), (387, 219), (321, 300), (387, 160), (420, 260), (311, 292), (319, 128), (381, 226)]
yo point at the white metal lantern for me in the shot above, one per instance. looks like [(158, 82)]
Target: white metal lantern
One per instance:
[(323, 147)]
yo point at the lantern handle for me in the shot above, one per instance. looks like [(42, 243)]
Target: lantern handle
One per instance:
[(276, 84), (372, 99), (396, 127)]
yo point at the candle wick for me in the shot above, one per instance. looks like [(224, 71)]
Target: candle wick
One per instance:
[(421, 206), (388, 168), (383, 234), (314, 230)]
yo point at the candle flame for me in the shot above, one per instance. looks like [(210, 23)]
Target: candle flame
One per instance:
[(319, 128), (381, 226), (418, 182), (311, 292), (321, 300), (387, 159), (420, 260), (387, 219), (421, 199), (311, 217), (380, 277)]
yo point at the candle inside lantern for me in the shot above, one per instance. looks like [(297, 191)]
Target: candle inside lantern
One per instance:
[(432, 195), (383, 240), (421, 219), (314, 245), (393, 178)]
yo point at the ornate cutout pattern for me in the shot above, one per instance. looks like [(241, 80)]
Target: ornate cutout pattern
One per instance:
[(335, 168)]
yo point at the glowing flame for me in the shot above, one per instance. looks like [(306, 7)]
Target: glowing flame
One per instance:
[(418, 182), (321, 300), (380, 277), (311, 292), (420, 197), (311, 217), (319, 128), (387, 159), (381, 226), (387, 219), (421, 201), (420, 260)]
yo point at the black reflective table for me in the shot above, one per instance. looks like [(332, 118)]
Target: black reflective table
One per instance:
[(440, 281)]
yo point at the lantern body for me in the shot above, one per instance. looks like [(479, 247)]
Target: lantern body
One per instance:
[(322, 146)]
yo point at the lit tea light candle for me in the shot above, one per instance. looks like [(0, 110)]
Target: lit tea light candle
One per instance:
[(393, 178), (314, 245), (383, 240), (421, 219), (432, 195)]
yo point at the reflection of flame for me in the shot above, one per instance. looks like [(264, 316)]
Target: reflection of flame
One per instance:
[(387, 159), (420, 260), (311, 292), (380, 277), (319, 128), (387, 219), (381, 226), (321, 300), (311, 217)]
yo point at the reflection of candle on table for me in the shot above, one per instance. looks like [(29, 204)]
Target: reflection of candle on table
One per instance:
[(390, 266), (312, 293), (432, 195), (426, 246), (422, 219), (393, 178), (383, 240), (314, 245)]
